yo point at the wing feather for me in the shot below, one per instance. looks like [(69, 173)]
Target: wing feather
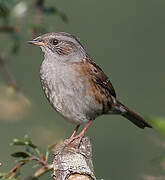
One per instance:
[(100, 77)]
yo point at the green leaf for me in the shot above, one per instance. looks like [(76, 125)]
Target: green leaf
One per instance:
[(158, 123), (28, 141), (50, 10), (20, 154), (63, 17), (5, 8), (4, 12), (8, 3), (17, 142), (30, 150), (55, 11), (32, 145)]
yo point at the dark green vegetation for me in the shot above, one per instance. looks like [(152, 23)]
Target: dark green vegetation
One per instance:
[(28, 155)]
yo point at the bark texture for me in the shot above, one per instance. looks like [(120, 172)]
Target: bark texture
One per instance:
[(73, 161)]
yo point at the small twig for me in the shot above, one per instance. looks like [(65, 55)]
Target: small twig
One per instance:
[(15, 169), (7, 29), (39, 16), (7, 75), (41, 161), (39, 5), (40, 172), (43, 170)]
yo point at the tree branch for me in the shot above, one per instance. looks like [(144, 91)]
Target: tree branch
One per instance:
[(73, 161), (7, 29)]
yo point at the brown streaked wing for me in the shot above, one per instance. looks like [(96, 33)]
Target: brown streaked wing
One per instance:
[(101, 77), (100, 87)]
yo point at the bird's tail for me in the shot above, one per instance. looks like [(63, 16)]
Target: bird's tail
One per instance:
[(132, 116)]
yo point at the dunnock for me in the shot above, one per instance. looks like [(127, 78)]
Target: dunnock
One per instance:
[(75, 85)]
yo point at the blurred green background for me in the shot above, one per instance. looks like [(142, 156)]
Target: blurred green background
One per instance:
[(126, 38)]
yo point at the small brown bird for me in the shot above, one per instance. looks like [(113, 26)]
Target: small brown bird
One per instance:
[(75, 85)]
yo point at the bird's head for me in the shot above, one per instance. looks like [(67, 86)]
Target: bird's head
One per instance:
[(60, 46)]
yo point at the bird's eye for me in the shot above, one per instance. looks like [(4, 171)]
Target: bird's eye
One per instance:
[(54, 41)]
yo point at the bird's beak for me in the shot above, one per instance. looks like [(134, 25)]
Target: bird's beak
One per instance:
[(37, 42)]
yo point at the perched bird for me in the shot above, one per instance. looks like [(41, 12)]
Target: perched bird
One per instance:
[(75, 85)]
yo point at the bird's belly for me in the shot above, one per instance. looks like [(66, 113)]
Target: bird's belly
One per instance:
[(70, 98)]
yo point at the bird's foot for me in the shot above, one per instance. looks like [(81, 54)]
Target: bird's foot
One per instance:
[(78, 138)]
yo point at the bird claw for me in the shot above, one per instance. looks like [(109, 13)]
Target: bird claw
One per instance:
[(78, 138)]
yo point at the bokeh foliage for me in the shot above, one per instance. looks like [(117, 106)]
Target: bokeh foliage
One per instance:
[(30, 153), (21, 20)]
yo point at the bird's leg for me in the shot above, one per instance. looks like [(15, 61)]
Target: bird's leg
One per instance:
[(74, 132), (81, 135)]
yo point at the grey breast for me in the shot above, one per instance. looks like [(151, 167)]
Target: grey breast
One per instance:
[(67, 94)]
